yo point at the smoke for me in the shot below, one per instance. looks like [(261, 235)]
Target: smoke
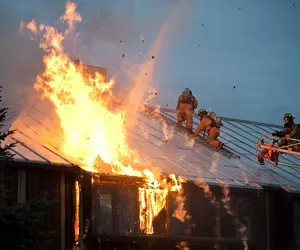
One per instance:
[(145, 74), (226, 200), (168, 131), (226, 204), (206, 189), (189, 141), (244, 172), (21, 59), (180, 212)]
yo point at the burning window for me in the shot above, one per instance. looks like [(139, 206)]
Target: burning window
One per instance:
[(152, 211)]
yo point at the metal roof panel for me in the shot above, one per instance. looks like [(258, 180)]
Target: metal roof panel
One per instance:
[(155, 137)]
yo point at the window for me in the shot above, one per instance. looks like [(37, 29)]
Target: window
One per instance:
[(228, 227), (103, 210), (104, 214), (115, 209), (127, 210)]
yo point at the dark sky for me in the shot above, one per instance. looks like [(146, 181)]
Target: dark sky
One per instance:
[(211, 47)]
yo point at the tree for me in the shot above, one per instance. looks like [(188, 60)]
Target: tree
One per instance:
[(5, 154), (21, 225)]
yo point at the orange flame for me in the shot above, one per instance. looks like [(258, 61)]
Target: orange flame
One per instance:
[(94, 132), (90, 128), (76, 221)]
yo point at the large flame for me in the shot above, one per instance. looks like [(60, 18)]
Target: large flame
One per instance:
[(94, 132), (91, 128)]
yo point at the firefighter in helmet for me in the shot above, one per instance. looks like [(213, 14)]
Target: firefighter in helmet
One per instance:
[(211, 124), (185, 109), (290, 130)]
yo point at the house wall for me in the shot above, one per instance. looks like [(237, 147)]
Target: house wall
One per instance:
[(284, 220), (109, 213), (27, 181), (216, 220)]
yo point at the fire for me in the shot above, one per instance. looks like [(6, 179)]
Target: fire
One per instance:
[(94, 132), (76, 221), (91, 128)]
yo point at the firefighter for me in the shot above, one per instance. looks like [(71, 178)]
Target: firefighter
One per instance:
[(211, 125), (290, 130), (185, 109)]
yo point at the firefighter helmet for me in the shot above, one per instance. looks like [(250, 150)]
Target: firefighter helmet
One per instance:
[(202, 113), (289, 117)]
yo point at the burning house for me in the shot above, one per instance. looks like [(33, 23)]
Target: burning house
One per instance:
[(129, 179), (226, 201)]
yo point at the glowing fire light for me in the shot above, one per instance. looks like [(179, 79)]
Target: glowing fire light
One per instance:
[(90, 128), (76, 221), (94, 133)]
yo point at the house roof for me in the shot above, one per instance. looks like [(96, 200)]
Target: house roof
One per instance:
[(175, 153)]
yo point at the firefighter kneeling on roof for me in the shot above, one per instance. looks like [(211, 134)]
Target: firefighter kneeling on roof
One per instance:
[(211, 125), (290, 131), (185, 109)]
